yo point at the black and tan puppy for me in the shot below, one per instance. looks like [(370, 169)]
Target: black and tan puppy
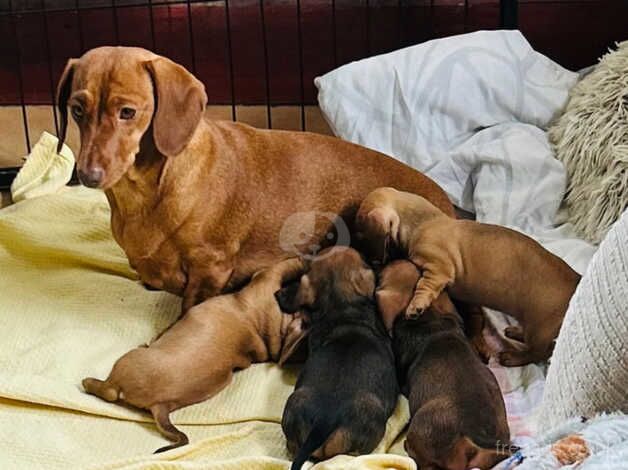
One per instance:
[(348, 388), (458, 417)]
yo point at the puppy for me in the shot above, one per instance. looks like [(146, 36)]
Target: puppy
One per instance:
[(194, 359), (481, 264), (347, 389), (458, 417)]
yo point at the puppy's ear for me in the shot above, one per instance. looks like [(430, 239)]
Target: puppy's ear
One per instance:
[(390, 304), (64, 89), (387, 220), (384, 230), (296, 295), (293, 339), (180, 101), (363, 281)]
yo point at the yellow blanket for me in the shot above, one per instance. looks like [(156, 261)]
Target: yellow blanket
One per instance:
[(70, 305)]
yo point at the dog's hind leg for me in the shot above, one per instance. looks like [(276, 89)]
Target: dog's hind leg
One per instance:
[(474, 318), (101, 388), (538, 347), (516, 358), (161, 413)]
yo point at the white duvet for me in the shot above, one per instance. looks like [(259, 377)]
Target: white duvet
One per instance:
[(470, 111)]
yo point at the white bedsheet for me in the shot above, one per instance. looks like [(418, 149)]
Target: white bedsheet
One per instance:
[(471, 112)]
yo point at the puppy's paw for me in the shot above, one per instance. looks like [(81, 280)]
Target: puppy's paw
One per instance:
[(514, 332), (417, 307), (412, 312), (513, 358)]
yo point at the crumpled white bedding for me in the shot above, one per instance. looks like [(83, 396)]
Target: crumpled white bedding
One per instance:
[(606, 438), (471, 112)]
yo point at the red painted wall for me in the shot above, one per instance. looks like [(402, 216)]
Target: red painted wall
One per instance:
[(274, 60)]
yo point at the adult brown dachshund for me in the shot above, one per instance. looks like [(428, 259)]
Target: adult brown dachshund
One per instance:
[(200, 205)]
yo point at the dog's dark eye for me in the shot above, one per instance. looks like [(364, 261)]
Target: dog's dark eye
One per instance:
[(77, 112), (127, 113)]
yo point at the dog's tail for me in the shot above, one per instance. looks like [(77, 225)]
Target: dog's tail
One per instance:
[(161, 413), (321, 430), (101, 388)]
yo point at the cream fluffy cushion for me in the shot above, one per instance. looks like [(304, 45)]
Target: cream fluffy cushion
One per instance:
[(591, 139)]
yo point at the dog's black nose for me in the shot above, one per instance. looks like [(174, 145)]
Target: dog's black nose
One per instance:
[(92, 177)]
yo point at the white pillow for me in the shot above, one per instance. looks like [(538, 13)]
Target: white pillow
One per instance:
[(469, 111), (419, 102)]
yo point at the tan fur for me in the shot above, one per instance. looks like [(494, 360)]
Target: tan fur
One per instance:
[(395, 289), (196, 357), (197, 213), (478, 263)]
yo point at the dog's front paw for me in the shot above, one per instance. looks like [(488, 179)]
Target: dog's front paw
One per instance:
[(416, 308)]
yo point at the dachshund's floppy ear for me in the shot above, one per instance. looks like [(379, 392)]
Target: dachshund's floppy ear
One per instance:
[(384, 223), (296, 295), (293, 339), (64, 89), (363, 281), (387, 220), (180, 101)]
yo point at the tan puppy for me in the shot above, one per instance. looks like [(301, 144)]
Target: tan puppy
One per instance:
[(458, 417), (198, 205), (479, 263), (196, 357)]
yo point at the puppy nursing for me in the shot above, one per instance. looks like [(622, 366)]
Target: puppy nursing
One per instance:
[(196, 357), (458, 417), (348, 387), (478, 263)]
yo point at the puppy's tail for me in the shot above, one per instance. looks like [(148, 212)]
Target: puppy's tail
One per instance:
[(322, 429), (161, 413), (101, 388)]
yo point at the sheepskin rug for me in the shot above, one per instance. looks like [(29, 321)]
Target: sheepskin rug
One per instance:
[(591, 139)]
